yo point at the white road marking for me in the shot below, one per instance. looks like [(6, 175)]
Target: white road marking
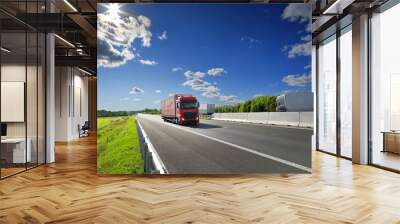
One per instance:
[(156, 158), (277, 159)]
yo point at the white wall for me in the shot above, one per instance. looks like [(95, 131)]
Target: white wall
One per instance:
[(17, 73), (71, 94), (33, 126), (62, 81)]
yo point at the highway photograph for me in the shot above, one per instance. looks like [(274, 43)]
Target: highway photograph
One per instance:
[(197, 89)]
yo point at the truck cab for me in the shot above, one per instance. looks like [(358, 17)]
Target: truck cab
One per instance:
[(187, 110)]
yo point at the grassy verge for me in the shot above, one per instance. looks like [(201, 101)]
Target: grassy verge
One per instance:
[(118, 149)]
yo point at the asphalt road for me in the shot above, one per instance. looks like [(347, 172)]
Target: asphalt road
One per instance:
[(222, 147)]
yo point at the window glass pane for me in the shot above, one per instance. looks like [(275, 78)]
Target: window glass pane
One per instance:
[(22, 89), (346, 93), (327, 95), (13, 87), (385, 84)]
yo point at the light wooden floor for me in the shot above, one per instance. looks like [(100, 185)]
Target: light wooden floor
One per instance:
[(70, 191), (10, 171), (387, 159)]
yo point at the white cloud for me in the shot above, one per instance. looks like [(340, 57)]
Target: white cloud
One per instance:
[(306, 37), (229, 98), (307, 67), (299, 49), (148, 62), (196, 84), (301, 13), (297, 12), (308, 27), (207, 88), (136, 90), (158, 91), (252, 42), (216, 71), (210, 91), (297, 80), (170, 94), (127, 99), (156, 101), (116, 33), (176, 69), (194, 75), (163, 36)]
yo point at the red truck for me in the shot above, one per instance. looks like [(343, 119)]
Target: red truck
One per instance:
[(181, 109)]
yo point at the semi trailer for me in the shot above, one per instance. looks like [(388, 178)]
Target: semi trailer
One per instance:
[(181, 109), (207, 109), (295, 102)]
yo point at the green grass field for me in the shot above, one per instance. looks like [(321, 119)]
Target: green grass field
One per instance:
[(118, 150)]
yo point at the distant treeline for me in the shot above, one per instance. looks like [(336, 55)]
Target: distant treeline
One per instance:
[(151, 111), (107, 113), (257, 104)]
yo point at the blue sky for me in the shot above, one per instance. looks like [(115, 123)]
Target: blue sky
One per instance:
[(221, 53)]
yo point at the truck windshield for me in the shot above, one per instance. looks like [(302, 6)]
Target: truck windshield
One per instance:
[(188, 105)]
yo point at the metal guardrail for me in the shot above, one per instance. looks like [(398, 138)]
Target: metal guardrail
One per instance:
[(149, 167), (152, 163)]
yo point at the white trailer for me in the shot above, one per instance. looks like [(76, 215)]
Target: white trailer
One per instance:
[(207, 109), (295, 102)]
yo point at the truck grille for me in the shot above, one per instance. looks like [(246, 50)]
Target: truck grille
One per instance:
[(190, 115)]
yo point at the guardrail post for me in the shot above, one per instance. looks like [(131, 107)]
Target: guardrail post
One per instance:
[(147, 162), (143, 150)]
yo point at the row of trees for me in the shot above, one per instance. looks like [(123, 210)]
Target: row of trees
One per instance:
[(151, 111), (107, 113), (257, 104)]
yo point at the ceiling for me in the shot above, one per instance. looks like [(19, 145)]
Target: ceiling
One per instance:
[(73, 22), (332, 15)]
